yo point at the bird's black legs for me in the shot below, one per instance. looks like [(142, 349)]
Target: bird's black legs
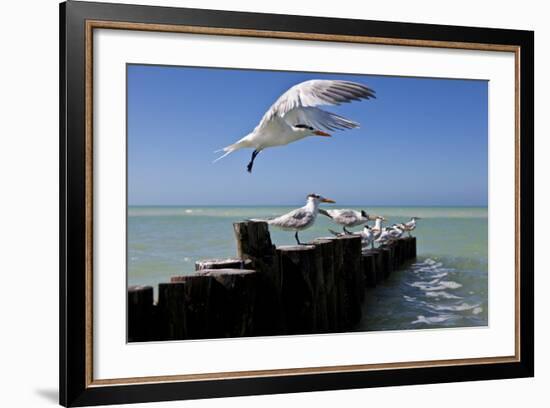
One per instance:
[(249, 166), (346, 231), (297, 239)]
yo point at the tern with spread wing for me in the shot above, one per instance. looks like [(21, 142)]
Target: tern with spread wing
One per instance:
[(295, 115), (301, 218), (348, 218)]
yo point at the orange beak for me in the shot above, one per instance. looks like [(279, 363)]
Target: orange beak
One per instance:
[(321, 133), (327, 200)]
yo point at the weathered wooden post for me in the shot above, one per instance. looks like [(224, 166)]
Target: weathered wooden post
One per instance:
[(387, 261), (369, 268), (397, 248), (140, 313), (377, 260), (301, 266), (231, 301), (349, 276), (223, 263), (210, 303), (339, 287), (413, 246), (254, 244), (172, 311), (327, 294)]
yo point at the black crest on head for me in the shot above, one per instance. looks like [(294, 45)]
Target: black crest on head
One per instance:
[(364, 214), (313, 195)]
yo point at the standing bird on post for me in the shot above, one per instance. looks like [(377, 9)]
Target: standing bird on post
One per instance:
[(377, 229), (410, 225), (295, 115), (301, 218), (367, 236), (348, 218)]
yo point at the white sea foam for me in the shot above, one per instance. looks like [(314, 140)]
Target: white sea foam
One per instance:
[(454, 308), (450, 284), (432, 319), (477, 310), (442, 294), (409, 298), (435, 285)]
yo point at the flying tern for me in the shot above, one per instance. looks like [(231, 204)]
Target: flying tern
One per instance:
[(295, 115)]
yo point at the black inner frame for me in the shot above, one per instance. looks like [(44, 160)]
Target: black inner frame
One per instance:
[(73, 391)]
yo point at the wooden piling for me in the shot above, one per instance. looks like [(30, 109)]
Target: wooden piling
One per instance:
[(299, 265), (377, 255), (369, 268), (223, 263), (210, 303), (386, 261), (232, 301), (172, 307), (352, 283), (413, 248), (397, 258), (297, 289), (338, 266), (140, 313), (254, 245), (328, 292)]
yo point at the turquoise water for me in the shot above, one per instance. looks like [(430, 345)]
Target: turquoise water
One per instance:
[(445, 287)]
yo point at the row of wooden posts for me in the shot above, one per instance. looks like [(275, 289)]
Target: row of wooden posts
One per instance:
[(266, 290)]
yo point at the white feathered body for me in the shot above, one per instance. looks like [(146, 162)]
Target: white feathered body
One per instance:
[(367, 236), (299, 219), (298, 106), (411, 225), (345, 217)]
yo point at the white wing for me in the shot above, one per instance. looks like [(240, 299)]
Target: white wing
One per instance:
[(299, 104), (294, 220), (318, 119)]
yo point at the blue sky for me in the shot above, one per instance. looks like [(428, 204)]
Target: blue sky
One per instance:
[(421, 142)]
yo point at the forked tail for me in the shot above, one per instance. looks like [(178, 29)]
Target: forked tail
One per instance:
[(231, 148)]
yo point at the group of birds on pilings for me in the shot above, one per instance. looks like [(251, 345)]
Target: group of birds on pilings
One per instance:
[(304, 217), (294, 116), (369, 235)]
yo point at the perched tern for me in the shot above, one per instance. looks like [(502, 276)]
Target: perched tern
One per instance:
[(384, 237), (295, 115), (389, 234), (348, 218), (367, 236), (301, 218), (410, 225), (396, 231), (377, 229)]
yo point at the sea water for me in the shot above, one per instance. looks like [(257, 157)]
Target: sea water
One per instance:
[(446, 286)]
